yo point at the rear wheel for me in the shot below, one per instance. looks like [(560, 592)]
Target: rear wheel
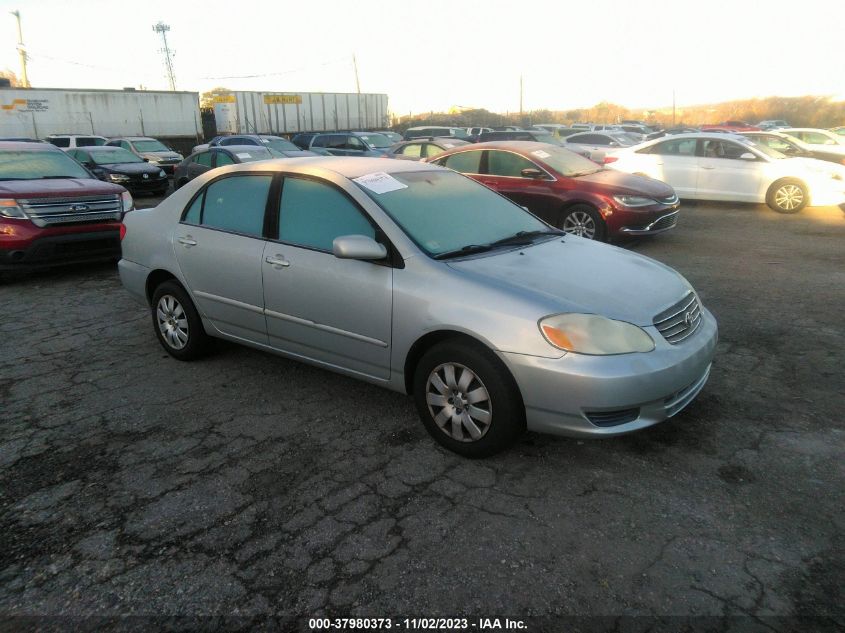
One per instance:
[(584, 221), (787, 196), (467, 399), (177, 323)]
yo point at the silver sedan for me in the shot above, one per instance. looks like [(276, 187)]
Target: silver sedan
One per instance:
[(418, 279)]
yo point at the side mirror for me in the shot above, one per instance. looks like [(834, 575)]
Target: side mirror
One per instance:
[(613, 144), (748, 156), (146, 160), (532, 172), (358, 247), (89, 164)]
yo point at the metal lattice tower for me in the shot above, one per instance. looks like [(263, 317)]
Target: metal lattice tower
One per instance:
[(163, 28)]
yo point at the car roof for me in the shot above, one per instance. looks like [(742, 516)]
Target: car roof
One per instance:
[(807, 129), (75, 135), (24, 145), (234, 148), (133, 138), (346, 166), (524, 146)]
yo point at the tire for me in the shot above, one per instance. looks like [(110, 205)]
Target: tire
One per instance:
[(177, 323), (483, 430), (584, 221), (787, 195)]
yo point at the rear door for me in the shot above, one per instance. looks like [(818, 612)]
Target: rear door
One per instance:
[(200, 164), (219, 246), (335, 311)]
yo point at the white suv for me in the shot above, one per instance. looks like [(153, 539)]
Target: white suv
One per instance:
[(69, 141)]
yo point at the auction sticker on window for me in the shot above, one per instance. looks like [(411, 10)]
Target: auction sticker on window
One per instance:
[(380, 182), (541, 154), (243, 155)]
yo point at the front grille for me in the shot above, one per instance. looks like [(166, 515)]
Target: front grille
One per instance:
[(681, 320), (666, 222), (612, 418), (54, 211)]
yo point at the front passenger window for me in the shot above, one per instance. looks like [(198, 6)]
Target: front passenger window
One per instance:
[(507, 164), (313, 214), (354, 143)]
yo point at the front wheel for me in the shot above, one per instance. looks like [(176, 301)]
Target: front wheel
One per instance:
[(584, 221), (787, 196), (467, 399), (177, 323)]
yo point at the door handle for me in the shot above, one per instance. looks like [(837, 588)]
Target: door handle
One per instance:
[(187, 241), (278, 261), (706, 167), (658, 163)]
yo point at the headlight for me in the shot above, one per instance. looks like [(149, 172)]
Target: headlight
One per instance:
[(594, 334), (154, 159), (634, 201), (118, 178), (126, 201), (11, 209)]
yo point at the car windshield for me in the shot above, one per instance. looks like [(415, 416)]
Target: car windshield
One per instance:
[(564, 161), (115, 156), (89, 141), (379, 141), (442, 211), (151, 145), (32, 165), (280, 145), (459, 133)]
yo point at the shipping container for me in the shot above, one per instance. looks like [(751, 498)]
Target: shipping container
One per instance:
[(38, 112), (288, 112)]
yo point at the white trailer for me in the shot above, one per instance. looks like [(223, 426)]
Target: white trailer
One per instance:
[(37, 112), (287, 112)]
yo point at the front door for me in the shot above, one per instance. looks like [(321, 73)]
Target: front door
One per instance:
[(503, 173), (219, 246), (724, 175), (334, 311)]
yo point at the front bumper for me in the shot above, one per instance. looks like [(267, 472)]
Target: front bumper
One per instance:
[(622, 393), (67, 248), (648, 220), (658, 225)]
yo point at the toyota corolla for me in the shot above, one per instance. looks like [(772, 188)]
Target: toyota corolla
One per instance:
[(419, 279)]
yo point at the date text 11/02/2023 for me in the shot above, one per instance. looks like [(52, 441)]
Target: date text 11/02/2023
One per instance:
[(434, 624)]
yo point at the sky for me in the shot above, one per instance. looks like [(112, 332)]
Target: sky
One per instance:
[(430, 55)]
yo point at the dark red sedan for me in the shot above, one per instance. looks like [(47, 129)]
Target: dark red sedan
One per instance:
[(567, 190)]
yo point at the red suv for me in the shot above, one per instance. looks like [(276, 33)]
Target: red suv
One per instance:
[(53, 211), (567, 190)]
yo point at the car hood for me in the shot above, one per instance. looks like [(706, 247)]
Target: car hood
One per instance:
[(620, 182), (162, 155), (297, 153), (131, 168), (44, 188), (573, 274)]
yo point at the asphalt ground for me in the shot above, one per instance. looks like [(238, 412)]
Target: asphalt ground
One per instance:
[(249, 486)]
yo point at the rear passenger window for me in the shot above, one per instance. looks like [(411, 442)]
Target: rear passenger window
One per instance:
[(204, 159), (465, 162), (677, 147), (412, 150), (60, 142), (234, 204), (313, 214)]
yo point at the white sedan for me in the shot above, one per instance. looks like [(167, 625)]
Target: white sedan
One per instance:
[(816, 138), (717, 166)]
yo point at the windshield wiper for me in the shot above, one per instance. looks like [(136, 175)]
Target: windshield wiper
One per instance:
[(58, 177), (469, 249), (525, 237)]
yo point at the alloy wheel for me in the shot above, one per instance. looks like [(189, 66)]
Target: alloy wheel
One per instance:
[(172, 321), (580, 223), (459, 402), (789, 197)]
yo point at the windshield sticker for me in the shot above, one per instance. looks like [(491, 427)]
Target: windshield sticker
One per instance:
[(448, 145), (366, 138), (243, 155), (380, 182), (541, 154)]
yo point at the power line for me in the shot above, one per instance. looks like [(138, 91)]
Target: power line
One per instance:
[(283, 72)]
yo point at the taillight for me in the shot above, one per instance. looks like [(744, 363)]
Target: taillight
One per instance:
[(122, 231), (610, 159)]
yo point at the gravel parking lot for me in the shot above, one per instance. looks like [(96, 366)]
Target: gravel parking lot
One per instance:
[(248, 485)]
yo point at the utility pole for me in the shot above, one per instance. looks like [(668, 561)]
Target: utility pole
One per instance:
[(355, 65), (673, 107), (163, 28), (21, 51), (520, 98)]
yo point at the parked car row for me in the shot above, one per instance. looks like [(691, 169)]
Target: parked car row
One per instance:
[(149, 149)]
